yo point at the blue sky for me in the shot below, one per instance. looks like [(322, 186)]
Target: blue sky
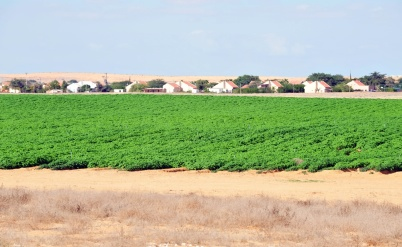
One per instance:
[(201, 37)]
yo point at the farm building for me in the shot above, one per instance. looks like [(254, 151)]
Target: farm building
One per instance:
[(224, 87), (316, 87), (357, 85), (187, 86), (172, 88), (154, 90), (273, 85), (75, 87)]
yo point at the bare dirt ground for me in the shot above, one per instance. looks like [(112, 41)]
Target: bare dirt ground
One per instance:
[(107, 207), (325, 185)]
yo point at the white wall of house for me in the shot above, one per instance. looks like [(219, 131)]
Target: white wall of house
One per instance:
[(171, 88), (120, 90), (223, 87), (273, 85), (187, 87), (359, 86), (14, 90), (315, 87)]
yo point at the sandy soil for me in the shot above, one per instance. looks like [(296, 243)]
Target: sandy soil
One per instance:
[(326, 185)]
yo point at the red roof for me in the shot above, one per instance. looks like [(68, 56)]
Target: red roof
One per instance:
[(276, 83), (232, 84), (271, 83), (189, 84), (359, 83), (174, 85), (325, 84), (245, 86)]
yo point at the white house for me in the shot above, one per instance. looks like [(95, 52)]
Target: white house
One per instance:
[(357, 85), (187, 86), (74, 87), (316, 87), (273, 85), (14, 90), (172, 88), (224, 87)]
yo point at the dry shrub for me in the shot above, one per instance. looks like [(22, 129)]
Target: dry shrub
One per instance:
[(84, 218)]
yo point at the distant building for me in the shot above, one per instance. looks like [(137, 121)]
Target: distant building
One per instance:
[(224, 87), (154, 90), (273, 85), (316, 87), (357, 85), (75, 87), (187, 86), (172, 88), (119, 90)]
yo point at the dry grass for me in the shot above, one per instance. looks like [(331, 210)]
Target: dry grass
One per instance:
[(85, 218)]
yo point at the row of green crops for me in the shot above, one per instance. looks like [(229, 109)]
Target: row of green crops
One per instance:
[(139, 131)]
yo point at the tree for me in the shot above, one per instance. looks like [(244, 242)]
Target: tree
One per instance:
[(120, 84), (389, 81), (54, 85), (18, 84), (331, 80), (201, 84), (138, 87), (374, 79), (246, 79), (106, 88), (156, 83), (342, 87), (290, 88), (85, 88), (64, 86)]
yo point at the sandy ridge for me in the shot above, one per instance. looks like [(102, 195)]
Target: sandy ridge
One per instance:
[(60, 76)]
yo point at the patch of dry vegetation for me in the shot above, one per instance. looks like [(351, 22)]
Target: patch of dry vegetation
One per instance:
[(87, 218)]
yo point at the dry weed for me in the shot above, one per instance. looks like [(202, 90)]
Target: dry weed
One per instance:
[(73, 218)]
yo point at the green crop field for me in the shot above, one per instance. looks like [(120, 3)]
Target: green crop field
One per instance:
[(136, 132)]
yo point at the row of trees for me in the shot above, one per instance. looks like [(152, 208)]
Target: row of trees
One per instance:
[(336, 81), (375, 79)]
